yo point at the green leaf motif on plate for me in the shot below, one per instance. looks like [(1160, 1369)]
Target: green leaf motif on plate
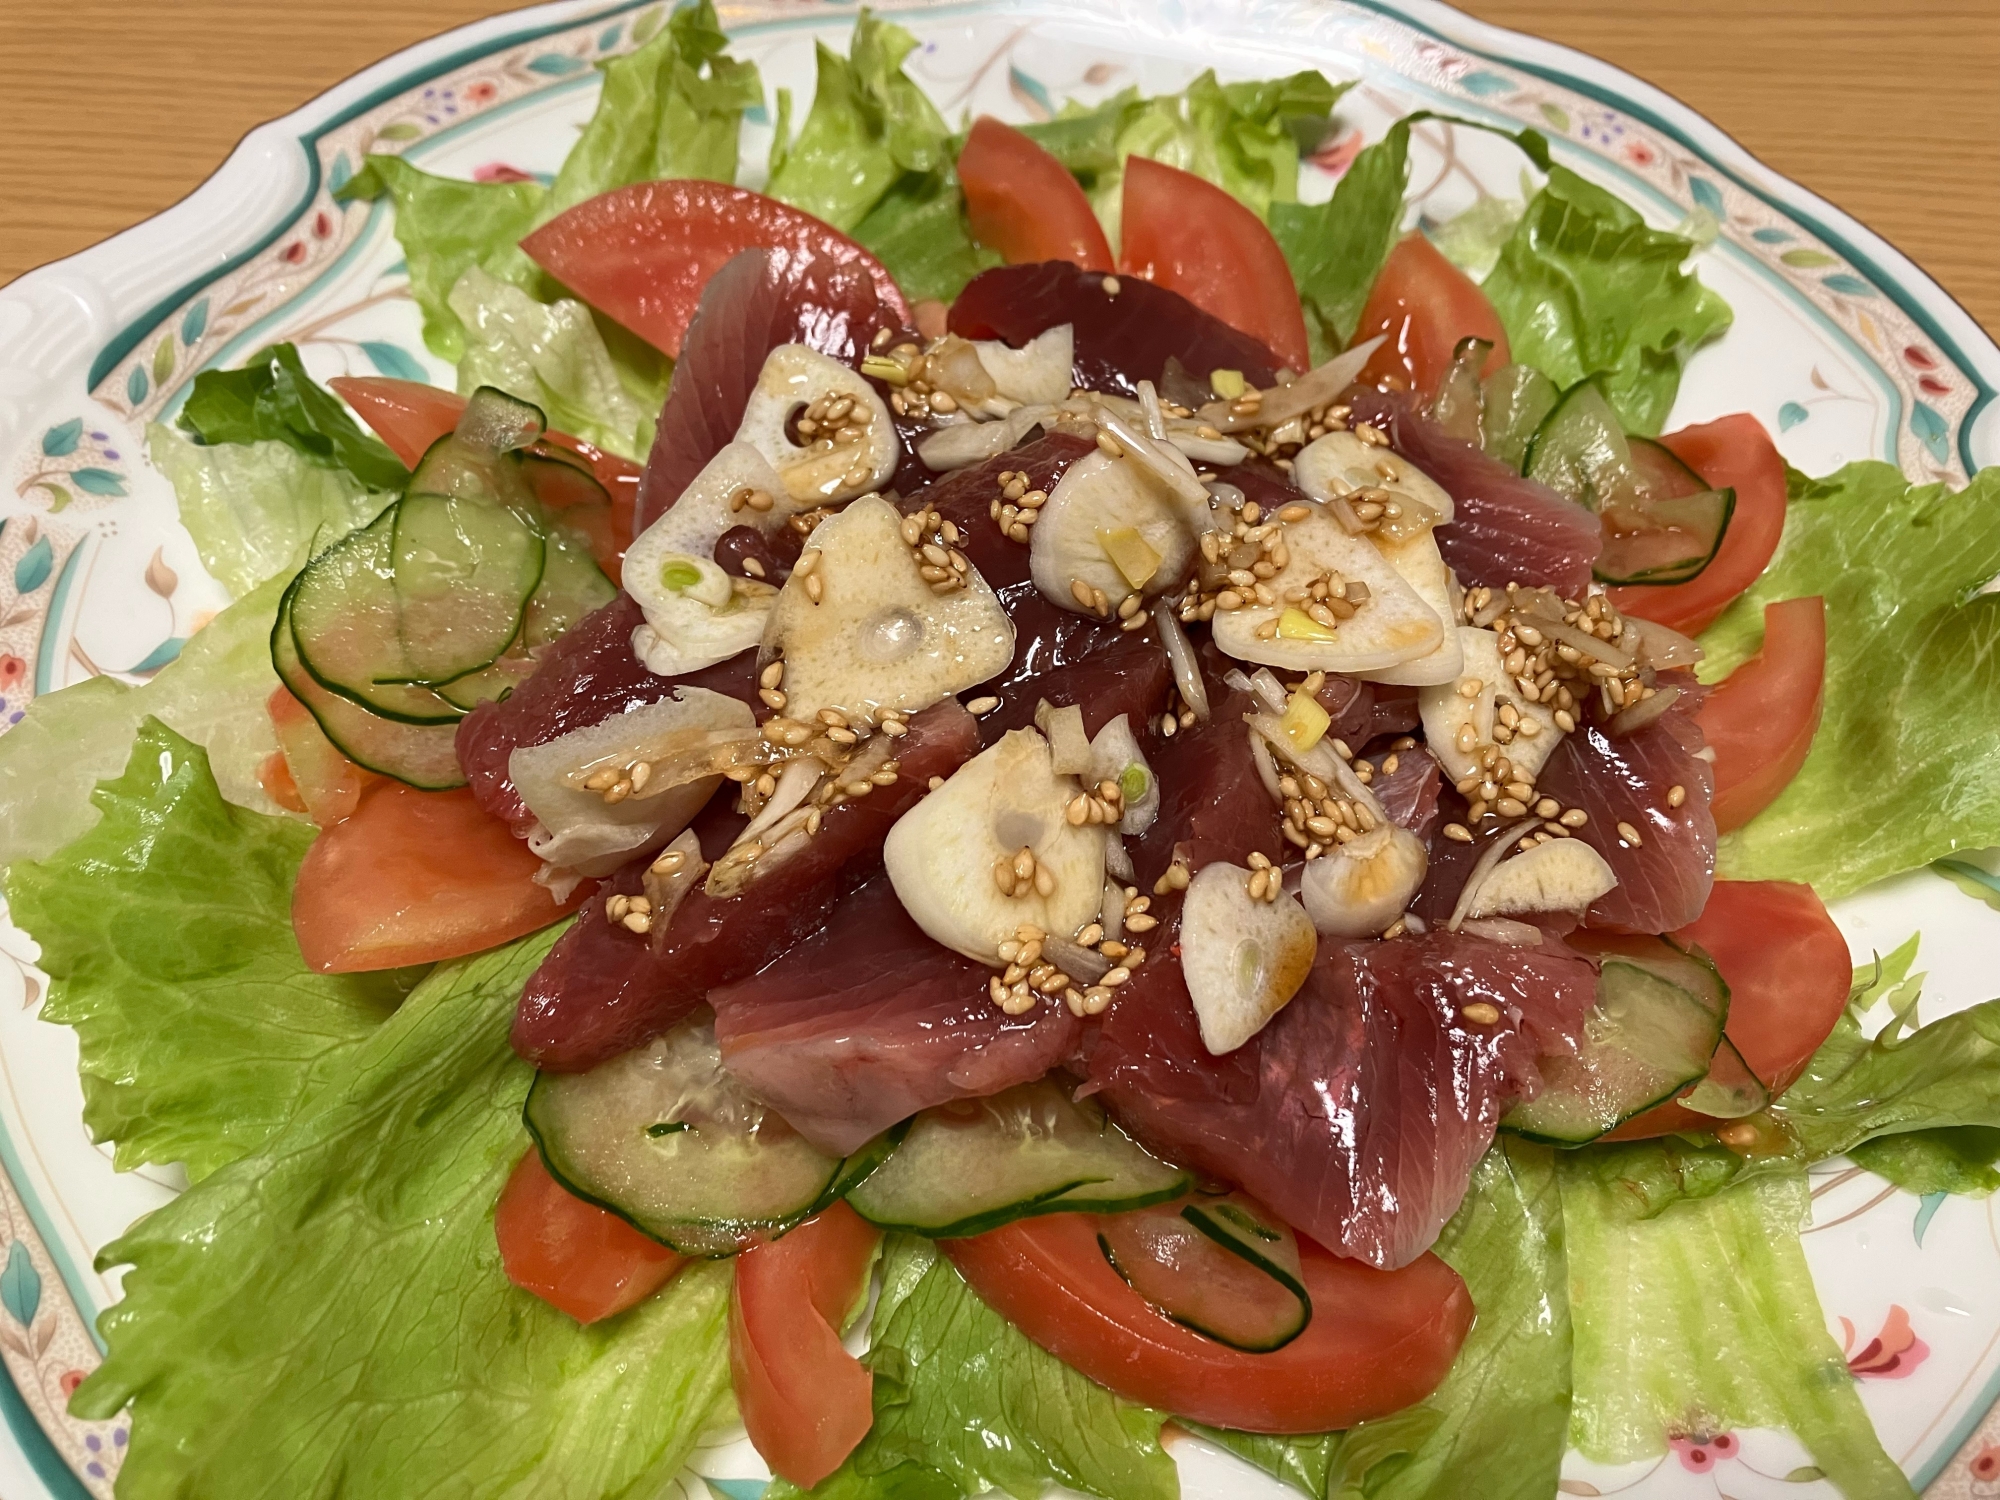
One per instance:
[(554, 65), (33, 570), (61, 440), (1807, 259), (1931, 428), (1708, 195), (59, 498), (1557, 116), (1484, 85), (194, 323), (20, 1285), (136, 385), (1847, 285), (95, 481), (163, 360), (401, 130), (396, 363), (1790, 415)]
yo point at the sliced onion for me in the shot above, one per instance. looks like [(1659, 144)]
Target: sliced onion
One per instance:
[(795, 784), (1494, 853), (1156, 419), (1118, 859), (1315, 388), (1267, 769), (1164, 462), (1223, 453), (1069, 746), (963, 444), (1320, 761), (1636, 717), (1238, 680), (1665, 648), (1180, 653), (1075, 960), (1582, 640), (1503, 930)]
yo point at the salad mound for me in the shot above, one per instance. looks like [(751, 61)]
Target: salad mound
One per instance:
[(1060, 769)]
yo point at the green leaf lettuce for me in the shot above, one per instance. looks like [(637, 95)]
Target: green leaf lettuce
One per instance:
[(272, 399)]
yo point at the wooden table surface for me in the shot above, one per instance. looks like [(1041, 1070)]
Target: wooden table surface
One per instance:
[(112, 109)]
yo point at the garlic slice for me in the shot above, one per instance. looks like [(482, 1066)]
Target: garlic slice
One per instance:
[(1340, 463), (1422, 566), (1358, 889), (1472, 701), (1107, 515), (1243, 957), (1038, 373), (1561, 875), (852, 448)]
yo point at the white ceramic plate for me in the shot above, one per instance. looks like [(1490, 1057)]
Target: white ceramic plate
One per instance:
[(1841, 346)]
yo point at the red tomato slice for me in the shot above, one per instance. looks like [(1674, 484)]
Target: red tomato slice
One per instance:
[(805, 1400), (326, 783), (1736, 453), (1788, 973), (414, 877), (642, 254), (1760, 719), (409, 416), (275, 777), (575, 1256), (1425, 304), (1021, 201), (1378, 1340), (1191, 237)]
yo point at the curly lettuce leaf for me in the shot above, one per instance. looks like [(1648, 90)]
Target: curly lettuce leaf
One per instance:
[(965, 1403), (255, 509), (1963, 1159), (1704, 1319), (1336, 249), (1585, 287), (328, 1315), (272, 399), (1912, 679), (166, 933), (214, 693), (551, 354)]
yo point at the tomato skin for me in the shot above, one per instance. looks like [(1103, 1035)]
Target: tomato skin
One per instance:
[(326, 784), (414, 877), (1425, 305), (1021, 201), (1788, 972), (1760, 719), (1191, 237), (1378, 1340), (1733, 452), (805, 1400), (641, 254), (409, 416), (577, 1257)]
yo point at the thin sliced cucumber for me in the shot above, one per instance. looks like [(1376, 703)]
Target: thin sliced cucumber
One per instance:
[(1460, 405), (1661, 472), (347, 623), (1580, 451), (1222, 1267), (1663, 541), (1515, 400), (572, 586), (481, 459), (667, 1139), (499, 423), (969, 1167), (1731, 1090), (422, 755), (1656, 1025), (465, 571)]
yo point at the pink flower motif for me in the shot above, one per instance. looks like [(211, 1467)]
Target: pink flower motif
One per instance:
[(12, 670), (499, 171), (1699, 1452), (1338, 154), (71, 1379), (1640, 154), (1892, 1354), (480, 92), (1985, 1468)]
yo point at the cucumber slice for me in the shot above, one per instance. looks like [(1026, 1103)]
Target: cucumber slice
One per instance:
[(421, 755), (1656, 1024), (969, 1167), (1731, 1090), (1222, 1267), (1663, 541), (481, 459), (572, 586), (1515, 400), (465, 571), (347, 623), (1661, 473), (667, 1139), (496, 422), (1580, 451), (1460, 405)]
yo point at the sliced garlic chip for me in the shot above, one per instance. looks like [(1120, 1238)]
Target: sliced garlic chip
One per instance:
[(849, 443), (861, 630), (1109, 529), (1038, 373), (1472, 701), (1340, 463), (1422, 566), (1561, 875), (1243, 957), (991, 850), (1390, 625), (1359, 888)]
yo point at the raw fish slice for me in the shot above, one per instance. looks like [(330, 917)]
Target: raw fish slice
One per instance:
[(588, 676), (1663, 883), (603, 990), (965, 498), (1508, 529), (1212, 799), (1122, 338), (869, 1021), (755, 302), (1409, 794), (1359, 1113)]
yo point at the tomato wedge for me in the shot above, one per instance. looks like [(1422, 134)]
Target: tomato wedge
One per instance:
[(1760, 719), (641, 254), (1378, 1340), (409, 416), (1191, 237), (575, 1256), (1021, 201), (1736, 453), (414, 877), (1788, 972), (326, 783), (805, 1400), (1425, 305)]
